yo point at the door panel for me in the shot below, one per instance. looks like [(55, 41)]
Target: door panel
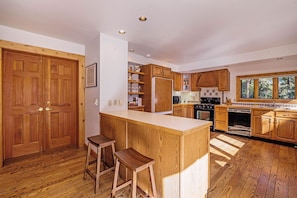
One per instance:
[(61, 107), (22, 96)]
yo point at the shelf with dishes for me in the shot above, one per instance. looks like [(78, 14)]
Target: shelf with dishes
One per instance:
[(135, 87)]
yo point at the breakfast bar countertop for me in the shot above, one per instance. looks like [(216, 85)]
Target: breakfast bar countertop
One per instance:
[(167, 121)]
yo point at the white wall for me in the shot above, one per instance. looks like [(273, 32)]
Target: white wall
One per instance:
[(29, 38), (113, 73), (92, 93), (111, 56), (268, 66)]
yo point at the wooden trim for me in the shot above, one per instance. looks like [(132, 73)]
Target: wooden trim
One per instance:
[(275, 90), (256, 88), (49, 52)]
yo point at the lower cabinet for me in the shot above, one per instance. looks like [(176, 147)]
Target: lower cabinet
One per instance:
[(177, 110), (221, 118), (184, 110), (262, 123), (286, 126)]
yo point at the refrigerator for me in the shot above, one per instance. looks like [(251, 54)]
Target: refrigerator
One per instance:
[(161, 95)]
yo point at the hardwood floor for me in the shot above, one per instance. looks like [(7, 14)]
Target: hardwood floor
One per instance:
[(240, 167)]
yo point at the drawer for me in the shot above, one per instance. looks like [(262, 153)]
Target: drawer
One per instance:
[(286, 114), (220, 116), (221, 109), (263, 112)]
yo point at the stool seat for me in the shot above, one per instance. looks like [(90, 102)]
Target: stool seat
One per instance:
[(136, 162), (133, 160), (100, 142)]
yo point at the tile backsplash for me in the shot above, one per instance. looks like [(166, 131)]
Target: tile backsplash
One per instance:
[(210, 92)]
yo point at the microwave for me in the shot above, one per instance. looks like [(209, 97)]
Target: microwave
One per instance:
[(175, 99)]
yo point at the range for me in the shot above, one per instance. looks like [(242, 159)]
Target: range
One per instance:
[(205, 110)]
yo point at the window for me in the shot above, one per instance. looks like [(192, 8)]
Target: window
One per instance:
[(247, 88), (286, 87), (266, 87)]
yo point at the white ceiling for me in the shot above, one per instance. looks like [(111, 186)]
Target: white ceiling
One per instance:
[(177, 31)]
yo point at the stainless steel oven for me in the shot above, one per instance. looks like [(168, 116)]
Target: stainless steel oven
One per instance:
[(239, 121)]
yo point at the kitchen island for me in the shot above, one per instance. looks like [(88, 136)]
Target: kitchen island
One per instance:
[(179, 146)]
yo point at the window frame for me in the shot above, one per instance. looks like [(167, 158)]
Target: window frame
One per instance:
[(256, 77)]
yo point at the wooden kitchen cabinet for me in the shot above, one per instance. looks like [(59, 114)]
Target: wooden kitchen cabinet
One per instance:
[(160, 71), (221, 118), (217, 78), (183, 110), (177, 110), (188, 110), (194, 85), (286, 126), (262, 123), (177, 81), (224, 80)]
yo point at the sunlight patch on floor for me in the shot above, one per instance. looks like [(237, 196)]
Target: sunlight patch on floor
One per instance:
[(224, 147), (231, 140)]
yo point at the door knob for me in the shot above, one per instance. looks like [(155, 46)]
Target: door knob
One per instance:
[(40, 109), (48, 109)]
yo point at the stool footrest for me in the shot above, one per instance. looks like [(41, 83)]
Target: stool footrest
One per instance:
[(127, 183)]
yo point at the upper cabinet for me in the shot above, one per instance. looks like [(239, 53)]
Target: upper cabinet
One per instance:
[(218, 78), (160, 71), (224, 80), (177, 81), (194, 85)]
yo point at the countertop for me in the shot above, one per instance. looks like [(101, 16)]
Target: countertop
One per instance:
[(186, 103), (260, 107), (167, 121)]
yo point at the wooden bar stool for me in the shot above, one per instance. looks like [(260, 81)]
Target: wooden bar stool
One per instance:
[(135, 162), (100, 142)]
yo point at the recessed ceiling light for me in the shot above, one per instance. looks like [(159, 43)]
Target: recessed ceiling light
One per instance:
[(131, 50), (148, 55), (122, 32), (142, 18)]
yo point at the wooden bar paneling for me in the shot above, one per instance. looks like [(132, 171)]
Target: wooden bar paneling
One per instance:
[(181, 166)]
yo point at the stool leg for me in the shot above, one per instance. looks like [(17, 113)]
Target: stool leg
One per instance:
[(98, 169), (115, 179), (153, 181), (113, 151), (87, 160), (134, 184)]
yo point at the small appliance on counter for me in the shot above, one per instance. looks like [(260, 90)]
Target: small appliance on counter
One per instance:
[(176, 99)]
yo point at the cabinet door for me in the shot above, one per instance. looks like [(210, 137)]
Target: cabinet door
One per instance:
[(224, 80), (262, 126), (286, 129), (177, 81), (194, 85), (157, 71), (177, 110), (190, 111), (166, 72)]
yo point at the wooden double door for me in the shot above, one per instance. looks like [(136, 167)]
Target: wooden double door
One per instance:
[(39, 103)]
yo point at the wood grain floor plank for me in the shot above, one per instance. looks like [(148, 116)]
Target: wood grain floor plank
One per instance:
[(240, 167)]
